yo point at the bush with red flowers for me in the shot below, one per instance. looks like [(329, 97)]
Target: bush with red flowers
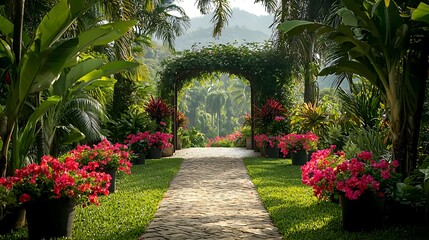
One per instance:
[(101, 157), (295, 142), (139, 142), (55, 179), (363, 172), (160, 140), (328, 172), (319, 172)]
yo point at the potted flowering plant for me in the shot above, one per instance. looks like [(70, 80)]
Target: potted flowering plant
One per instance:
[(298, 145), (102, 157), (139, 145), (157, 142), (319, 172), (362, 183), (50, 190)]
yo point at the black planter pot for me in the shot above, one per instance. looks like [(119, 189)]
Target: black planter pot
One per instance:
[(299, 157), (363, 214), (50, 218), (154, 153), (112, 173), (140, 160), (272, 152)]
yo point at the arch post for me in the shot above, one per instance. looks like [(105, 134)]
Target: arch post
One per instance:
[(175, 116), (252, 114)]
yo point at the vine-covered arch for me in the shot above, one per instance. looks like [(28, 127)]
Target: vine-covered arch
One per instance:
[(267, 70)]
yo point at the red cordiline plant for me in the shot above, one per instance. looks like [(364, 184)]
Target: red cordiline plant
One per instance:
[(158, 111), (265, 115)]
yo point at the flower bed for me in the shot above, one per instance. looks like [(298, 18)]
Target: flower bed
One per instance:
[(227, 141)]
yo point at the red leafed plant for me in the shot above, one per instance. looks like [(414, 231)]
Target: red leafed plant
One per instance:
[(55, 179), (265, 115), (158, 110)]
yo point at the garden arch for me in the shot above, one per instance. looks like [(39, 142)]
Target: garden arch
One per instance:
[(266, 70)]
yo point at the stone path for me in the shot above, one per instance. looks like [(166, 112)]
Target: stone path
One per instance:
[(211, 198)]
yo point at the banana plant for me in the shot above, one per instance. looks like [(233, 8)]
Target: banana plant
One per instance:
[(77, 115), (377, 42), (45, 59)]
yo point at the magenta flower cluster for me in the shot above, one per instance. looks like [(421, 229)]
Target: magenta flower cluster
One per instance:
[(142, 141), (327, 172), (295, 142)]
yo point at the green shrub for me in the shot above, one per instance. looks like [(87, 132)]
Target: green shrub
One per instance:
[(363, 139)]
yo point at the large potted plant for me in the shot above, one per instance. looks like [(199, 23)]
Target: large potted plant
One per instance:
[(362, 183), (139, 145), (298, 145), (51, 190), (102, 157), (157, 142)]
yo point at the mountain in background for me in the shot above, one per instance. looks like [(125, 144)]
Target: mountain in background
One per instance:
[(242, 27)]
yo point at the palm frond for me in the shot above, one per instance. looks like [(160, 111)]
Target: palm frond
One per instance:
[(222, 12)]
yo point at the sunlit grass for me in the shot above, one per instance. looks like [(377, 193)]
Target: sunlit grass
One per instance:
[(299, 215)]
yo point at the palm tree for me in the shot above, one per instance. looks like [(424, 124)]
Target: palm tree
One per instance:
[(240, 95), (215, 102)]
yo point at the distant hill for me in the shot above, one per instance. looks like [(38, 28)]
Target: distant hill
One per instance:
[(239, 18), (242, 27)]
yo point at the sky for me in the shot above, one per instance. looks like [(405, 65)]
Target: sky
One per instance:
[(246, 5)]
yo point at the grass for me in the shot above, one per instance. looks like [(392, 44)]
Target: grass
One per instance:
[(299, 215), (126, 213)]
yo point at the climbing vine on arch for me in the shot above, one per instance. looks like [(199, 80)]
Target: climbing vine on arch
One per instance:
[(266, 69)]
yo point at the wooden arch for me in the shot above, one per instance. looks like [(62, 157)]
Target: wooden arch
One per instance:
[(266, 69)]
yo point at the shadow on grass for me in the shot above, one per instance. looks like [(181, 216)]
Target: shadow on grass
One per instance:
[(299, 215)]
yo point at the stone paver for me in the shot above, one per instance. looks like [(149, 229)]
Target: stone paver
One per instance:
[(211, 198)]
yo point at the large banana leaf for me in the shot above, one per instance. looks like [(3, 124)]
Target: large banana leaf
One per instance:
[(421, 13), (58, 20)]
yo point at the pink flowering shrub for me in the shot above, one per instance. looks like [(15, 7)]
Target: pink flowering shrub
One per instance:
[(159, 140), (139, 142), (226, 141), (261, 140), (328, 172), (142, 141), (295, 142), (54, 179), (363, 172), (319, 172), (102, 156)]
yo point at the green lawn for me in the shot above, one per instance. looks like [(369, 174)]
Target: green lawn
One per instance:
[(299, 215), (126, 213)]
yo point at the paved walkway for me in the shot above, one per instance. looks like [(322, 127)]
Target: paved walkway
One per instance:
[(211, 198)]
